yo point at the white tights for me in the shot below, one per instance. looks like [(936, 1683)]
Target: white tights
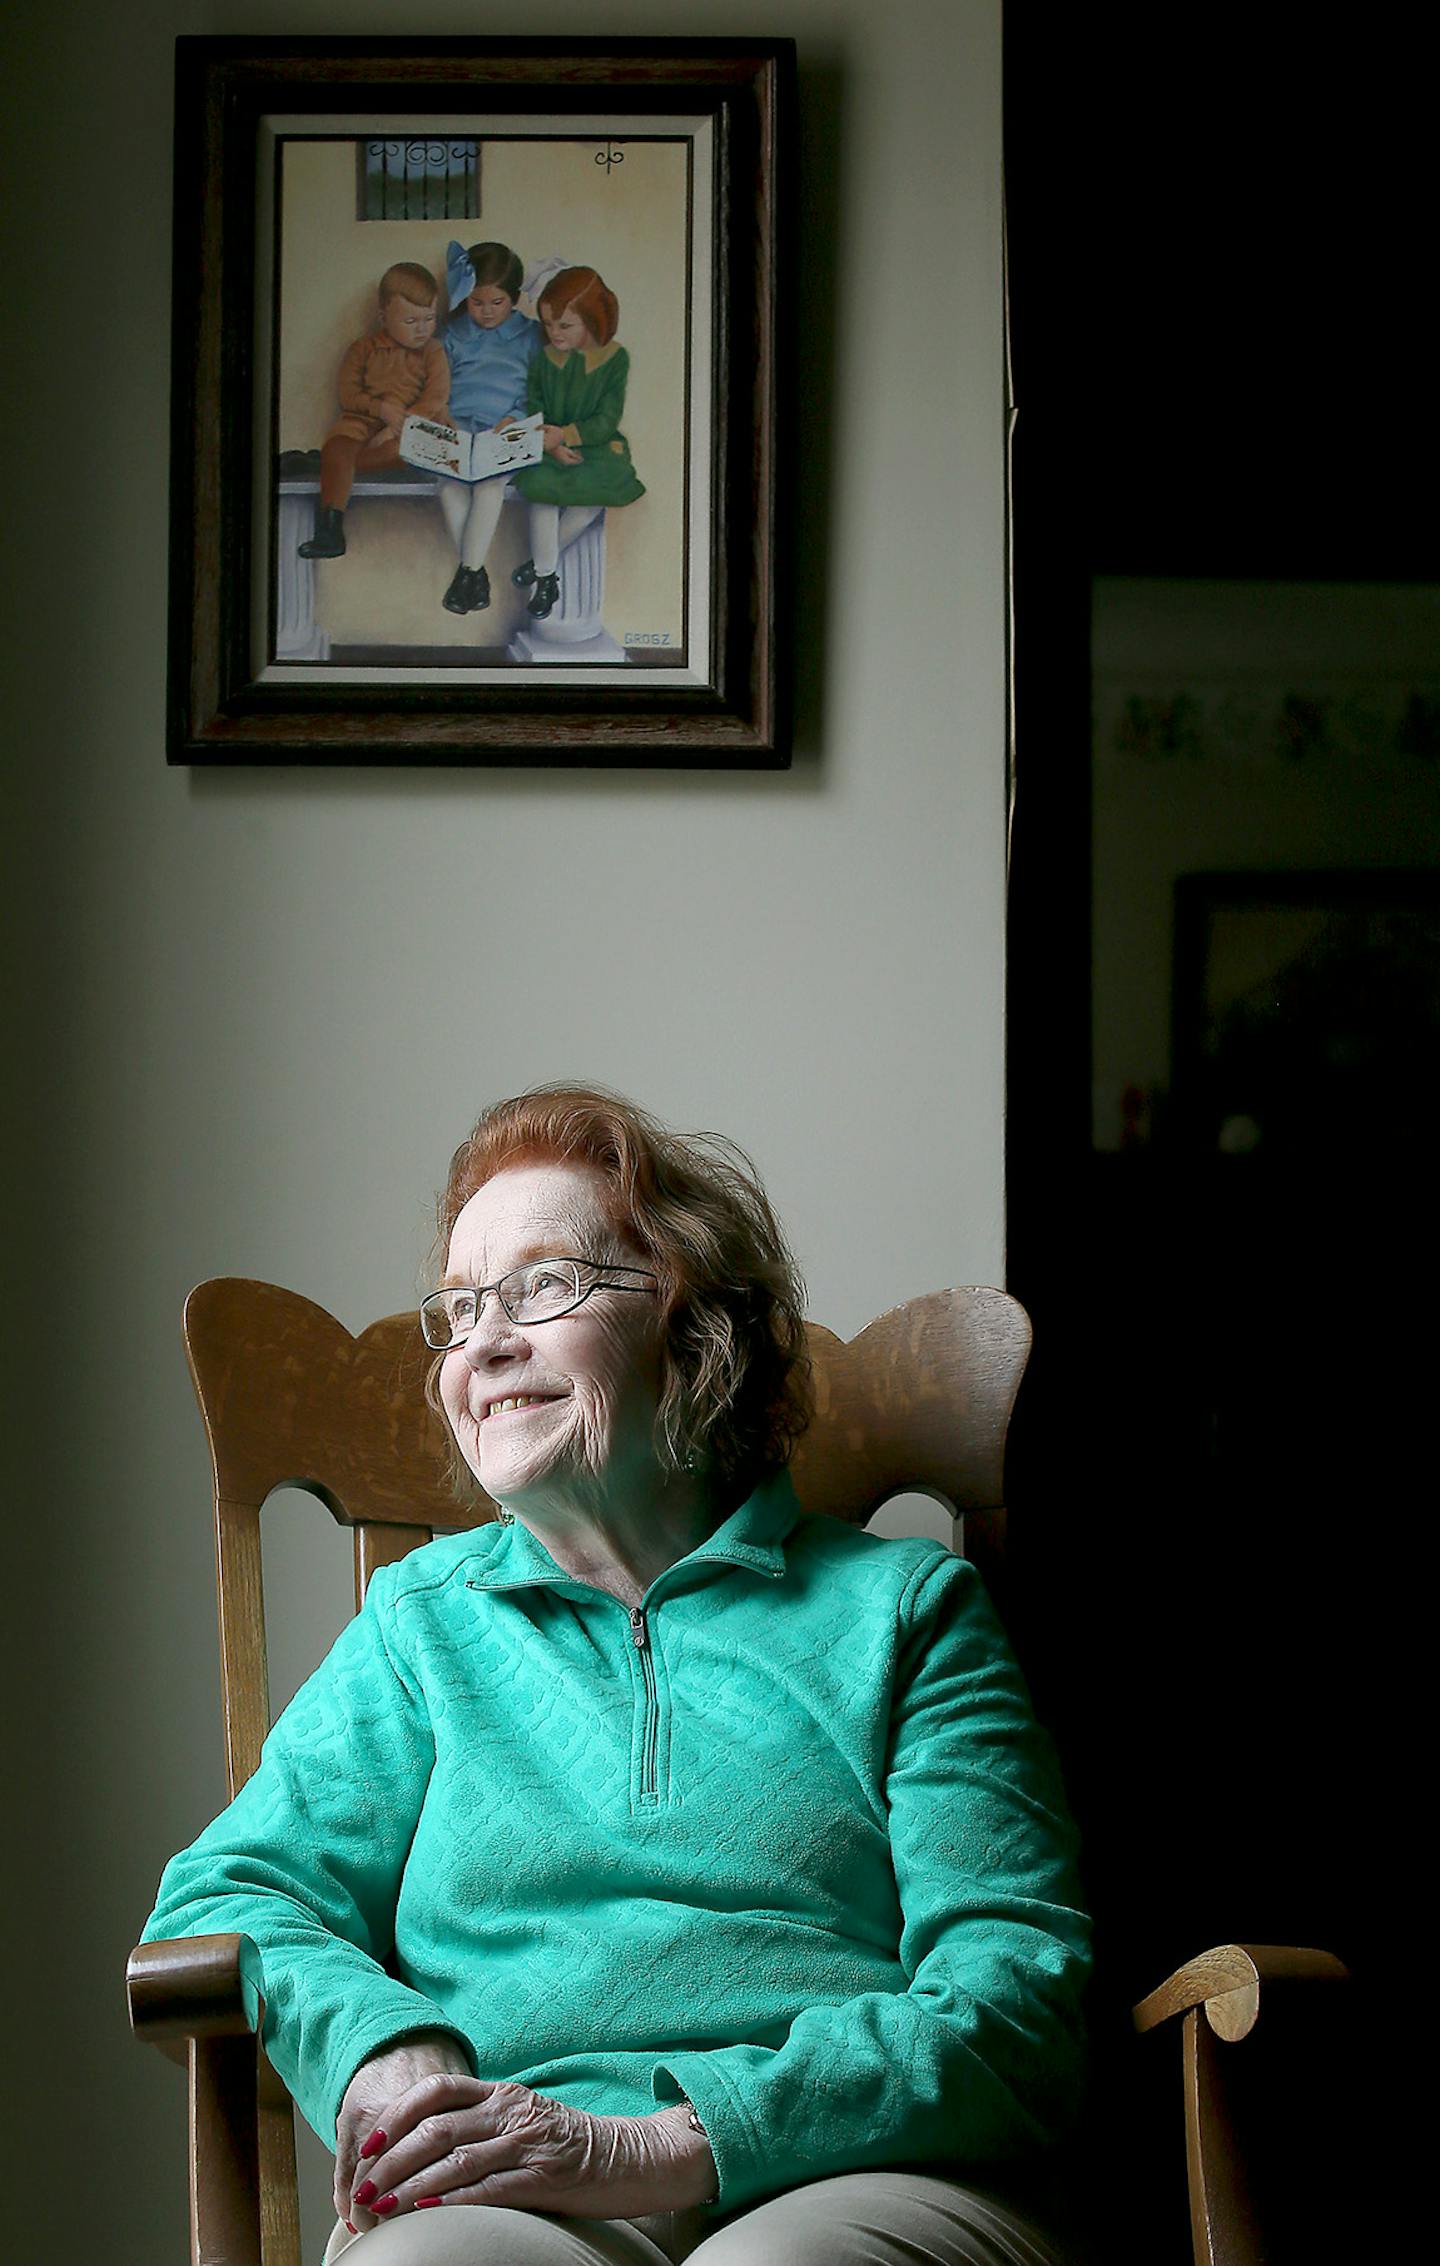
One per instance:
[(553, 531), (472, 515)]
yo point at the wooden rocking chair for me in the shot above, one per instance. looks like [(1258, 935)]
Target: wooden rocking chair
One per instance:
[(919, 1402)]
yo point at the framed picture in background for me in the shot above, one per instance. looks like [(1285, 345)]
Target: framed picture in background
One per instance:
[(1307, 1017), (476, 382)]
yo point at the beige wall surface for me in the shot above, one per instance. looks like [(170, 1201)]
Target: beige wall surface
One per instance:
[(243, 1052)]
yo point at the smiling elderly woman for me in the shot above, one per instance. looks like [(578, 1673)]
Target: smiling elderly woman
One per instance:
[(657, 1872)]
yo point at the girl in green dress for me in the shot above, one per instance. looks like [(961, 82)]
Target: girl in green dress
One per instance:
[(577, 382)]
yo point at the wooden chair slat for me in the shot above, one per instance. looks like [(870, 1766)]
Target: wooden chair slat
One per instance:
[(244, 1668), (279, 2183), (377, 1545)]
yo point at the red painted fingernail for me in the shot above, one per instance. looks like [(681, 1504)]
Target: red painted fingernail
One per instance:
[(365, 2192), (428, 2203), (384, 2203), (374, 2146), (350, 2229)]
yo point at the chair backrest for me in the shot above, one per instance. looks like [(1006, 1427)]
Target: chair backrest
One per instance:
[(918, 1403)]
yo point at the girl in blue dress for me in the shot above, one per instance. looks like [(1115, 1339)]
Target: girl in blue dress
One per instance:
[(490, 346)]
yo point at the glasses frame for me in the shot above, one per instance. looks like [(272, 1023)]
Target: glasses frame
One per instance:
[(481, 1292)]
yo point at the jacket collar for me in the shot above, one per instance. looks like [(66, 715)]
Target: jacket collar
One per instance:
[(752, 1538), (514, 325), (593, 357)]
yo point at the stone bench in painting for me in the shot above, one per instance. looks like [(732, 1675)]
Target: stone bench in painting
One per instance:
[(574, 633)]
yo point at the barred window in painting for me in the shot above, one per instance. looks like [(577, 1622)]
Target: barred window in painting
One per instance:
[(414, 178)]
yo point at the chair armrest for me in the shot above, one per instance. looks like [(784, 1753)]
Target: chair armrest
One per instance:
[(198, 1998), (195, 1987), (1227, 1983), (1242, 2167)]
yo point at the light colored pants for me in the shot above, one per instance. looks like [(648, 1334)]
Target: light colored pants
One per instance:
[(885, 2218)]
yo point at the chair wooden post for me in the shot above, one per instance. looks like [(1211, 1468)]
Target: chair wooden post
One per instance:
[(377, 1545), (240, 1611), (225, 2189)]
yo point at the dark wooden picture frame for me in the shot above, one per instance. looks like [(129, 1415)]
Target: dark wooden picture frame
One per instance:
[(225, 705), (1306, 1013)]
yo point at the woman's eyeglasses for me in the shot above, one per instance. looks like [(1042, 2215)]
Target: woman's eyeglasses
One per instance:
[(540, 1292)]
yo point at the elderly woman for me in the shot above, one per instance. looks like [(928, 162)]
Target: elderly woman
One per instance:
[(657, 1872)]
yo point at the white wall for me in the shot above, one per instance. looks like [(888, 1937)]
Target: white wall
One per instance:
[(240, 1054)]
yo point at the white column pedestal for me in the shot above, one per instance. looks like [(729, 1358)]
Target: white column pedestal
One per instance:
[(297, 635), (575, 632)]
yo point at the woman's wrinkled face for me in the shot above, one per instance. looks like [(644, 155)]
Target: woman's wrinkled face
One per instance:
[(490, 306), (566, 1408)]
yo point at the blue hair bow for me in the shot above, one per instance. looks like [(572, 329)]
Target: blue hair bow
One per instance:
[(459, 274)]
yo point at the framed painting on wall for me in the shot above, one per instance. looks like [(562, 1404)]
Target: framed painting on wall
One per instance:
[(476, 384), (1306, 1016)]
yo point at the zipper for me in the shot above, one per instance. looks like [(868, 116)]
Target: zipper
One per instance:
[(641, 1637)]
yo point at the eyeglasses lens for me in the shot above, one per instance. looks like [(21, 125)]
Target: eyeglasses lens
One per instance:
[(541, 1292), (537, 1293), (446, 1317)]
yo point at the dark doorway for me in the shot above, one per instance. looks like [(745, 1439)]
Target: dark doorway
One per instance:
[(1224, 473)]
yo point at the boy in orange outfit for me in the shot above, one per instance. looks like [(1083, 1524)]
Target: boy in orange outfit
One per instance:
[(397, 370)]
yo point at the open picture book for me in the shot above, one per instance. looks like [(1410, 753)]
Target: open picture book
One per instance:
[(434, 447)]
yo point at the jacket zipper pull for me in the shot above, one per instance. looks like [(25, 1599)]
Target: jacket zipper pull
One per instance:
[(637, 1626)]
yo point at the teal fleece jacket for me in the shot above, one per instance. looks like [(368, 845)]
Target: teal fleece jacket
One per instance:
[(785, 1838)]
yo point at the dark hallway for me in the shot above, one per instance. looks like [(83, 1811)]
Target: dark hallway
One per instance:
[(1227, 829)]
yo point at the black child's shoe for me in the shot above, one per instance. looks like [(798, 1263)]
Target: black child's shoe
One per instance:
[(469, 591), (547, 596), (524, 575), (328, 540)]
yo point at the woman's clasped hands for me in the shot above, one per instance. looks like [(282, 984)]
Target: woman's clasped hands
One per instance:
[(417, 2131)]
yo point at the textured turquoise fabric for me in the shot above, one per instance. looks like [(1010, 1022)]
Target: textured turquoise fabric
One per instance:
[(801, 1854)]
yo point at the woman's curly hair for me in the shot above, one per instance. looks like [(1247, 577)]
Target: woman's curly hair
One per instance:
[(735, 1375)]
